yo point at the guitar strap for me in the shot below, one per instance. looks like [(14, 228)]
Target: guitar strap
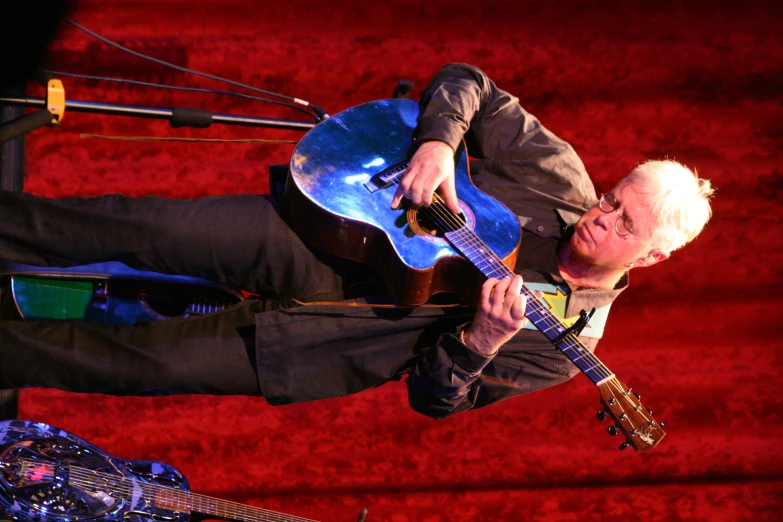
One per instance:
[(556, 296)]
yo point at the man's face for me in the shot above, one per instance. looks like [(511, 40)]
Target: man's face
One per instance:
[(597, 242)]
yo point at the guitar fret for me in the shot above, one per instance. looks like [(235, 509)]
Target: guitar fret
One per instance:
[(483, 259), (574, 358), (189, 502)]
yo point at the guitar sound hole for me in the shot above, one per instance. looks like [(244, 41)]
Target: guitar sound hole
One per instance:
[(425, 221)]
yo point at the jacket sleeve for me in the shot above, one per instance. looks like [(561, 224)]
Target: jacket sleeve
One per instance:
[(461, 101), (444, 377), (530, 164), (450, 378)]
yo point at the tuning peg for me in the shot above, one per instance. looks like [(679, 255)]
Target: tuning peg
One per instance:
[(624, 445), (649, 411), (660, 424), (612, 430), (601, 415), (638, 397)]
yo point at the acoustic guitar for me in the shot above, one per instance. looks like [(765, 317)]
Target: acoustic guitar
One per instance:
[(50, 475), (110, 293), (343, 175)]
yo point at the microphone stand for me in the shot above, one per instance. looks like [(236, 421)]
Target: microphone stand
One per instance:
[(50, 113)]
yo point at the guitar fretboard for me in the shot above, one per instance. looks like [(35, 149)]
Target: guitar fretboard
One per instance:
[(477, 252), (119, 487)]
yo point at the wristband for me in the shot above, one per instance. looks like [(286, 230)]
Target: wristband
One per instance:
[(461, 337), (462, 334)]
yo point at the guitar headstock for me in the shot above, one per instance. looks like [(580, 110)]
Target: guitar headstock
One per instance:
[(631, 419)]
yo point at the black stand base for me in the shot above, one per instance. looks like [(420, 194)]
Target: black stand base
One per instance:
[(11, 178), (9, 404)]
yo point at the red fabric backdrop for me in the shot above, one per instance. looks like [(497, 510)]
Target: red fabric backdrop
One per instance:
[(698, 335)]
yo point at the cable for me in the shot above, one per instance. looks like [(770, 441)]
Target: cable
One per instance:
[(320, 114)]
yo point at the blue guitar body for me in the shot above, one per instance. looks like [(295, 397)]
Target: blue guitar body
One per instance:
[(343, 175), (50, 475)]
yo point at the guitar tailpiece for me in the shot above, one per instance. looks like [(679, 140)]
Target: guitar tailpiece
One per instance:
[(577, 327)]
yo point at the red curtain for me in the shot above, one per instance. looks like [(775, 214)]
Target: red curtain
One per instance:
[(697, 336)]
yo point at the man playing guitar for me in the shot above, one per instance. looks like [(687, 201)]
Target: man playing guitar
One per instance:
[(577, 251)]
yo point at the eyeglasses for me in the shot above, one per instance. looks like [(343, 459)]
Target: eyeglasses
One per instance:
[(624, 225)]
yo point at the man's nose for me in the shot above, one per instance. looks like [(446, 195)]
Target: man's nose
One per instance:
[(606, 219)]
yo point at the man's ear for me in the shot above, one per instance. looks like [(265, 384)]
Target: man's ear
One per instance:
[(654, 257)]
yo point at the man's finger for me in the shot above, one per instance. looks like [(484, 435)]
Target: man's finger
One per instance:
[(516, 283), (498, 300), (425, 194), (502, 287), (449, 192), (487, 289), (396, 200), (514, 290), (517, 311), (401, 189)]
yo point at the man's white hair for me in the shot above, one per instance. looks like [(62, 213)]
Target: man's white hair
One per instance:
[(679, 199)]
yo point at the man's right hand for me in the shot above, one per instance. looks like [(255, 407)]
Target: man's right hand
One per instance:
[(431, 168)]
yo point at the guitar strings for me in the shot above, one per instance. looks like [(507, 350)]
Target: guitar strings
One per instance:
[(448, 218), (551, 322), (158, 492), (613, 386), (571, 341), (441, 213), (547, 318), (87, 478), (81, 477)]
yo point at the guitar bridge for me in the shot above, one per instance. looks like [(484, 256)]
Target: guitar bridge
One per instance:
[(386, 177)]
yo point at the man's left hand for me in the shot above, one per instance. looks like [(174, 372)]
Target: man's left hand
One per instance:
[(499, 317)]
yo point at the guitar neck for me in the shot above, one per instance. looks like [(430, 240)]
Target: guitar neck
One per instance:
[(183, 501), (476, 251), (169, 498)]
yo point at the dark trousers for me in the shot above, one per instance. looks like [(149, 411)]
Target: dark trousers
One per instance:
[(238, 240)]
